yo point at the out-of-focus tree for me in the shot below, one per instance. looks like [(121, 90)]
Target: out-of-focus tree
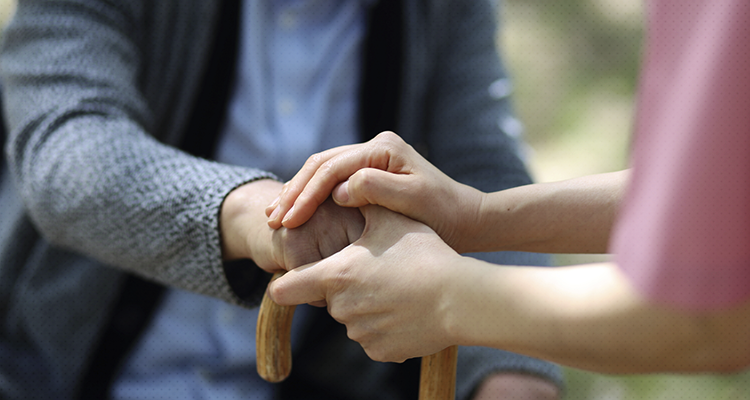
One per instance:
[(7, 7), (574, 64)]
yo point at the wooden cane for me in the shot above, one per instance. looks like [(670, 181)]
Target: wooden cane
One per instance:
[(437, 379), (273, 348), (273, 339)]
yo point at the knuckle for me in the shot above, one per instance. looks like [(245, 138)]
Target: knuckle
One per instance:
[(338, 315), (376, 353), (364, 187), (278, 292), (295, 247), (339, 279), (313, 162), (315, 159), (361, 180), (388, 137), (355, 334), (328, 170)]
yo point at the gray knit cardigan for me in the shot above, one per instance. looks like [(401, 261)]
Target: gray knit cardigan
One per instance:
[(97, 95)]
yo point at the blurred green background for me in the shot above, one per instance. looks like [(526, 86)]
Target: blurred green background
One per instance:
[(574, 65)]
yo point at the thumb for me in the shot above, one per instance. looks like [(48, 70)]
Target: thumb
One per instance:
[(374, 186), (299, 286)]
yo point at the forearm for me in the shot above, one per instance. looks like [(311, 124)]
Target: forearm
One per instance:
[(573, 216), (590, 317), (129, 202), (83, 148)]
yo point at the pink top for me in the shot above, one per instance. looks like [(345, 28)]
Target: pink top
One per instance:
[(683, 236)]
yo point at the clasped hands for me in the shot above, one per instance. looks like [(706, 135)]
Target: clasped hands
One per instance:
[(382, 274), (339, 227), (394, 286)]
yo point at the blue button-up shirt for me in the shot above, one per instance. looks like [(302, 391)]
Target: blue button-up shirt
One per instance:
[(295, 94)]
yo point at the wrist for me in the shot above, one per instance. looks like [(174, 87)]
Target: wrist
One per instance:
[(498, 224), (244, 233), (233, 247), (459, 295), (471, 219), (481, 304)]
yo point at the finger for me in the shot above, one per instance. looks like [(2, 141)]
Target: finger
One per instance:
[(320, 304), (340, 194), (396, 192), (280, 206), (380, 351), (374, 215), (329, 174), (299, 286), (271, 207)]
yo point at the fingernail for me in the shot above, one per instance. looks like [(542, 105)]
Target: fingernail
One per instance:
[(341, 193), (288, 215), (275, 202), (274, 214)]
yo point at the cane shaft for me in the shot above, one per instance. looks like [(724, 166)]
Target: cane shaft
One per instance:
[(437, 379), (273, 344)]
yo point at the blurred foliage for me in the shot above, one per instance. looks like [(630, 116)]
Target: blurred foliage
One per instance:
[(7, 7), (574, 64)]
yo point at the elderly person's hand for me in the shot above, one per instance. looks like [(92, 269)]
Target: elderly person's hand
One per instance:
[(246, 235)]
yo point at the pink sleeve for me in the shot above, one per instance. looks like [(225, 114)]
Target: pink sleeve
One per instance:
[(683, 236)]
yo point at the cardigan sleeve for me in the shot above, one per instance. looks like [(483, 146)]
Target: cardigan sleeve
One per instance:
[(83, 153)]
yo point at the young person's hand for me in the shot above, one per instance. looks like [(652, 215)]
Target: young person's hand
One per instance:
[(385, 171), (392, 288)]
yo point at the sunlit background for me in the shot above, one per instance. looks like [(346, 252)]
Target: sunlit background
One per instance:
[(574, 65)]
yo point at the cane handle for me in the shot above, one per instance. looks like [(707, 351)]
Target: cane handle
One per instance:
[(273, 344), (437, 379)]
